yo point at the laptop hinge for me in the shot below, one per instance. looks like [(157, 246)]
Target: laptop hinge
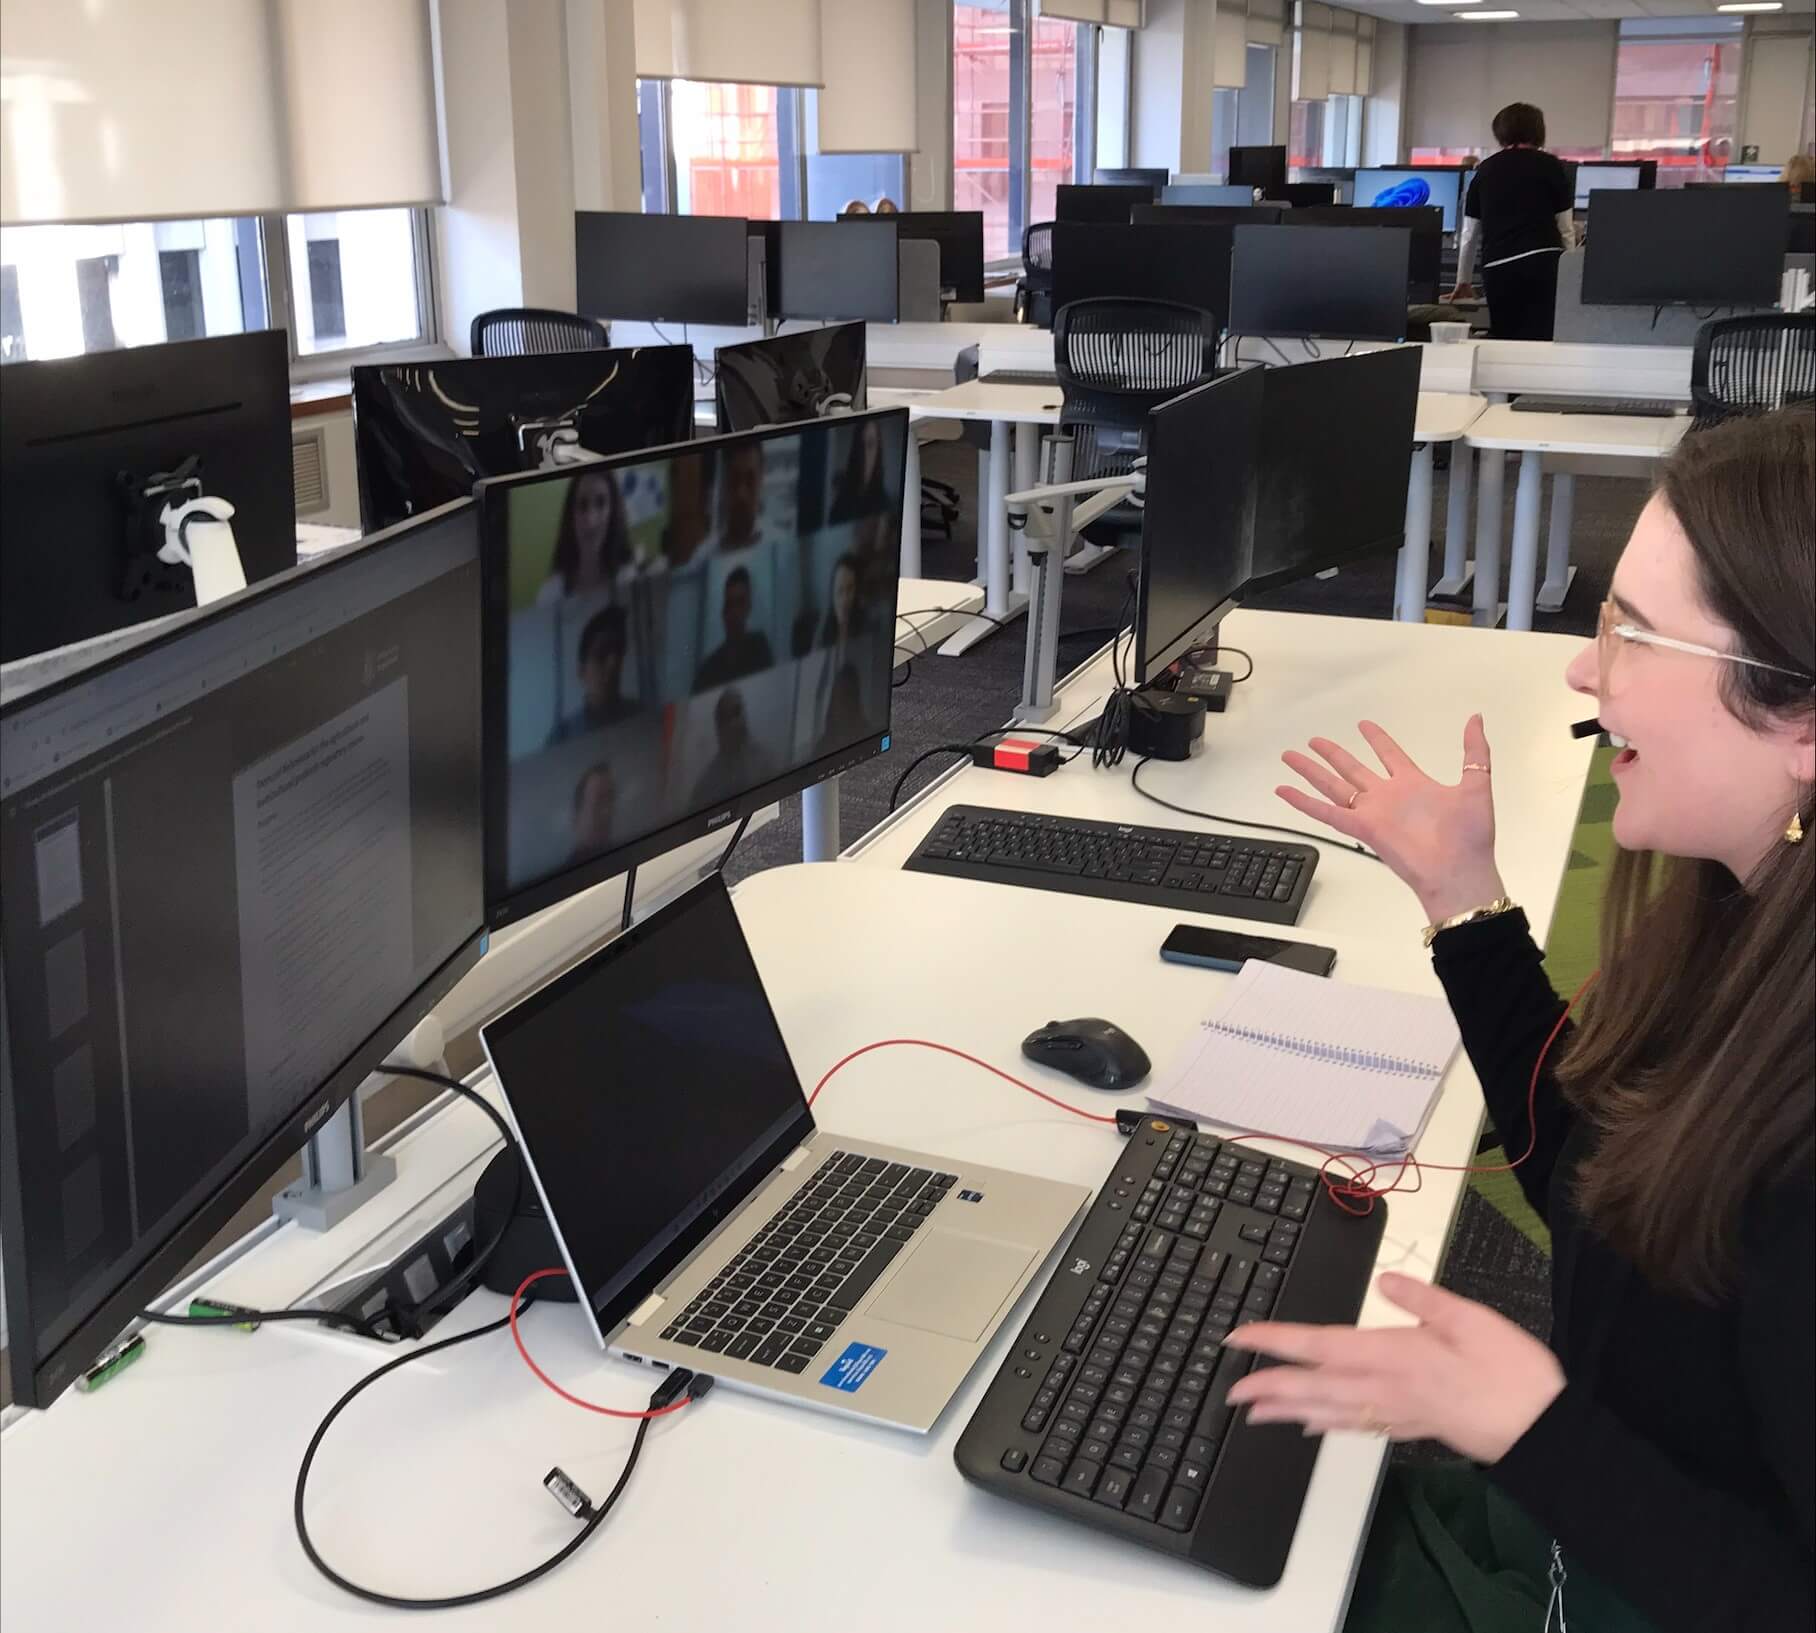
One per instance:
[(645, 1310), (794, 1159)]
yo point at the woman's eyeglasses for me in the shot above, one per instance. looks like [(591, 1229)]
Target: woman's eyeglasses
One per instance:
[(1611, 634)]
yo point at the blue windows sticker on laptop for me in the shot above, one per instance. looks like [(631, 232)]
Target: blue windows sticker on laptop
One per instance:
[(853, 1367)]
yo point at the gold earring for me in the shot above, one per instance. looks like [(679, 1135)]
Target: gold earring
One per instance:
[(1793, 832)]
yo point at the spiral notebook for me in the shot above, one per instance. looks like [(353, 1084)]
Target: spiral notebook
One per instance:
[(1345, 1067)]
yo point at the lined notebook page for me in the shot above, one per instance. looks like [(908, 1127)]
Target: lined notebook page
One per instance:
[(1349, 1067)]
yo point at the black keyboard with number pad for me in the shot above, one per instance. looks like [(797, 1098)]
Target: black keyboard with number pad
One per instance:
[(1110, 1408)]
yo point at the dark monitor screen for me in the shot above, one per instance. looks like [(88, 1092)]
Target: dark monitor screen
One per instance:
[(960, 236), (1403, 189), (1195, 515), (678, 638), (1335, 447), (661, 268), (241, 859), (1303, 195), (1425, 258), (675, 1001), (1188, 263), (1714, 246), (804, 376), (839, 269), (1107, 206), (1325, 283), (94, 449), (426, 432), (1227, 215), (1263, 167), (1207, 193), (1130, 178), (1801, 237)]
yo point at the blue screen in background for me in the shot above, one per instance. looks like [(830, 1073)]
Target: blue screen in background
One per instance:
[(1408, 189)]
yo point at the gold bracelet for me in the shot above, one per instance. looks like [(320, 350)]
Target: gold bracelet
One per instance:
[(1493, 910)]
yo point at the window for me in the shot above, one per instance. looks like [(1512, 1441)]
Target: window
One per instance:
[(735, 150), (1052, 113), (981, 123), (837, 179), (1677, 101), (1244, 118), (340, 281)]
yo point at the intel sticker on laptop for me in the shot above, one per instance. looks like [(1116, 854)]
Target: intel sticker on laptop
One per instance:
[(853, 1367)]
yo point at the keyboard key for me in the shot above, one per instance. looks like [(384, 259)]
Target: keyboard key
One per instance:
[(1147, 1494), (771, 1350), (1049, 1471), (1181, 1508), (741, 1346), (1081, 1477), (1015, 1460), (793, 1361), (1113, 1488)]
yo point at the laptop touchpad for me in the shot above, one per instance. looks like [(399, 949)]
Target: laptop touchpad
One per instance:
[(953, 1284)]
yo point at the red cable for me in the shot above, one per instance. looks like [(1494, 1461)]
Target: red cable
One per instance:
[(529, 1360), (947, 1049)]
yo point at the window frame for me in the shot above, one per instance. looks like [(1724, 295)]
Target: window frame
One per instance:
[(280, 297)]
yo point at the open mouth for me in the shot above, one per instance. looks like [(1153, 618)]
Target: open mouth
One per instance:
[(1627, 753)]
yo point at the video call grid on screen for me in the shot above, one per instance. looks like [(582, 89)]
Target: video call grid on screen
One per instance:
[(687, 627)]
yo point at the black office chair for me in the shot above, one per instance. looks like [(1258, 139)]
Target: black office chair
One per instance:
[(1034, 289), (1752, 364), (523, 331), (1116, 359)]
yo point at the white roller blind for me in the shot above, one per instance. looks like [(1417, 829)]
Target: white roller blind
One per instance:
[(1311, 82), (189, 108), (1266, 22), (1074, 11), (1229, 57), (1460, 73), (741, 43), (1127, 13), (1342, 53), (864, 107), (655, 25)]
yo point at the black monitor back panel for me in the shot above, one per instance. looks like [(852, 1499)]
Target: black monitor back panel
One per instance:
[(838, 269), (1187, 263), (661, 268), (791, 377), (1225, 215), (960, 236), (1324, 283), (1107, 206), (1714, 246), (1425, 267), (1263, 167)]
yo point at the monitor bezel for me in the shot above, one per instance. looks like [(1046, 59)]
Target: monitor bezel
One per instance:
[(39, 1380), (506, 905)]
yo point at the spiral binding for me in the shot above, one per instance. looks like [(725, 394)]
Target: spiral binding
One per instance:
[(1361, 1059)]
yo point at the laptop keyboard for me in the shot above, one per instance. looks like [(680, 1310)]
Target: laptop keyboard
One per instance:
[(785, 1293)]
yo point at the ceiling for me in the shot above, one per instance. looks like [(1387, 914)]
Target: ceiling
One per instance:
[(1559, 11)]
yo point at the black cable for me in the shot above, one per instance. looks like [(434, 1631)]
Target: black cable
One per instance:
[(630, 893), (366, 1328), (921, 759), (1312, 348), (1238, 822), (1235, 680), (725, 855), (1267, 342)]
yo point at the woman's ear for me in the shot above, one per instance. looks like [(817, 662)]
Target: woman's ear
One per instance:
[(1800, 746)]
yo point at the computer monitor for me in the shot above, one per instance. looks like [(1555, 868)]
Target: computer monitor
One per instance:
[(1612, 175), (1400, 188), (1263, 167), (838, 269), (94, 449), (661, 268), (1800, 238), (1130, 178), (1227, 215), (1714, 246), (960, 236), (1425, 263), (1187, 262), (676, 639), (1207, 193), (1323, 283), (1196, 516), (1107, 206), (1749, 172), (1305, 194), (241, 859), (424, 433), (1335, 445), (804, 376)]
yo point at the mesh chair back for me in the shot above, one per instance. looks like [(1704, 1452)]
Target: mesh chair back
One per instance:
[(1752, 364), (522, 331), (1034, 289), (1037, 248)]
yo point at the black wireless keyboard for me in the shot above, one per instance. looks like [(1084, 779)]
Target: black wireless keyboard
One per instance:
[(1645, 408), (1159, 867), (1110, 1407), (1021, 377)]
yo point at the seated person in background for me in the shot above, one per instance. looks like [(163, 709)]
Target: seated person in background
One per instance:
[(1799, 171), (600, 663), (740, 498), (855, 206), (744, 651), (592, 543), (1652, 1462), (595, 795), (884, 206), (740, 763)]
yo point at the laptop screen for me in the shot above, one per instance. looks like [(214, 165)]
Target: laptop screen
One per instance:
[(653, 1093)]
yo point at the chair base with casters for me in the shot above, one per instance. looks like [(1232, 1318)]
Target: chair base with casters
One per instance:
[(1751, 365), (527, 331)]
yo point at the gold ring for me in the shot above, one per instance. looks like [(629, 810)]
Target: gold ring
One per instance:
[(1472, 766), (1350, 803)]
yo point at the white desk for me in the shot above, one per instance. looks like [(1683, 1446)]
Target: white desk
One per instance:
[(1502, 429), (1442, 416), (747, 1512), (927, 610)]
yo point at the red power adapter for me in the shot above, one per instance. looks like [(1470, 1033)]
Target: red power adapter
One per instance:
[(1017, 754)]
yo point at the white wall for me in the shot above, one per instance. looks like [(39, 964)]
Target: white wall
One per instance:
[(1113, 85), (1384, 107), (1157, 90), (602, 104), (1777, 91), (1458, 74), (930, 169)]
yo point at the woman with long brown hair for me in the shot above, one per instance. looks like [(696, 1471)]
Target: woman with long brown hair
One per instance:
[(1652, 1467)]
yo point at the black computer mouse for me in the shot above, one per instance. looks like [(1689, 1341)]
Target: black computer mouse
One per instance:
[(1094, 1051)]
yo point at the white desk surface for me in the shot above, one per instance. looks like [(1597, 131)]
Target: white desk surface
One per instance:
[(1610, 435), (927, 610), (1583, 369), (744, 1511), (1443, 416)]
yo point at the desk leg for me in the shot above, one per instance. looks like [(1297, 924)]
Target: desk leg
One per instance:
[(1491, 471), (1559, 574), (820, 821), (911, 509), (1456, 521), (1027, 475), (1002, 602), (1415, 553), (1523, 569)]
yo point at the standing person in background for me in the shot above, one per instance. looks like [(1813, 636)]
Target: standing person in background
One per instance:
[(1519, 206)]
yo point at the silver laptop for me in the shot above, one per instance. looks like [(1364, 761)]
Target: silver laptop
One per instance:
[(707, 1222)]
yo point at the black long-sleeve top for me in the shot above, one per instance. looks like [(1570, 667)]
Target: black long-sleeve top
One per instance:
[(1678, 1463)]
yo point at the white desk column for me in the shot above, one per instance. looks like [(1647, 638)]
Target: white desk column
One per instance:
[(1523, 569), (1456, 520), (1415, 553), (1027, 475), (820, 821), (993, 525), (911, 509), (1559, 574), (1491, 470)]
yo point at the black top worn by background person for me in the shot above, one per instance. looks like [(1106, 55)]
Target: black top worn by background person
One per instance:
[(1517, 194), (1676, 1463)]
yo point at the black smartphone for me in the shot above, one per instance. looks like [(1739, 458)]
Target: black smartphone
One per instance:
[(1231, 949)]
